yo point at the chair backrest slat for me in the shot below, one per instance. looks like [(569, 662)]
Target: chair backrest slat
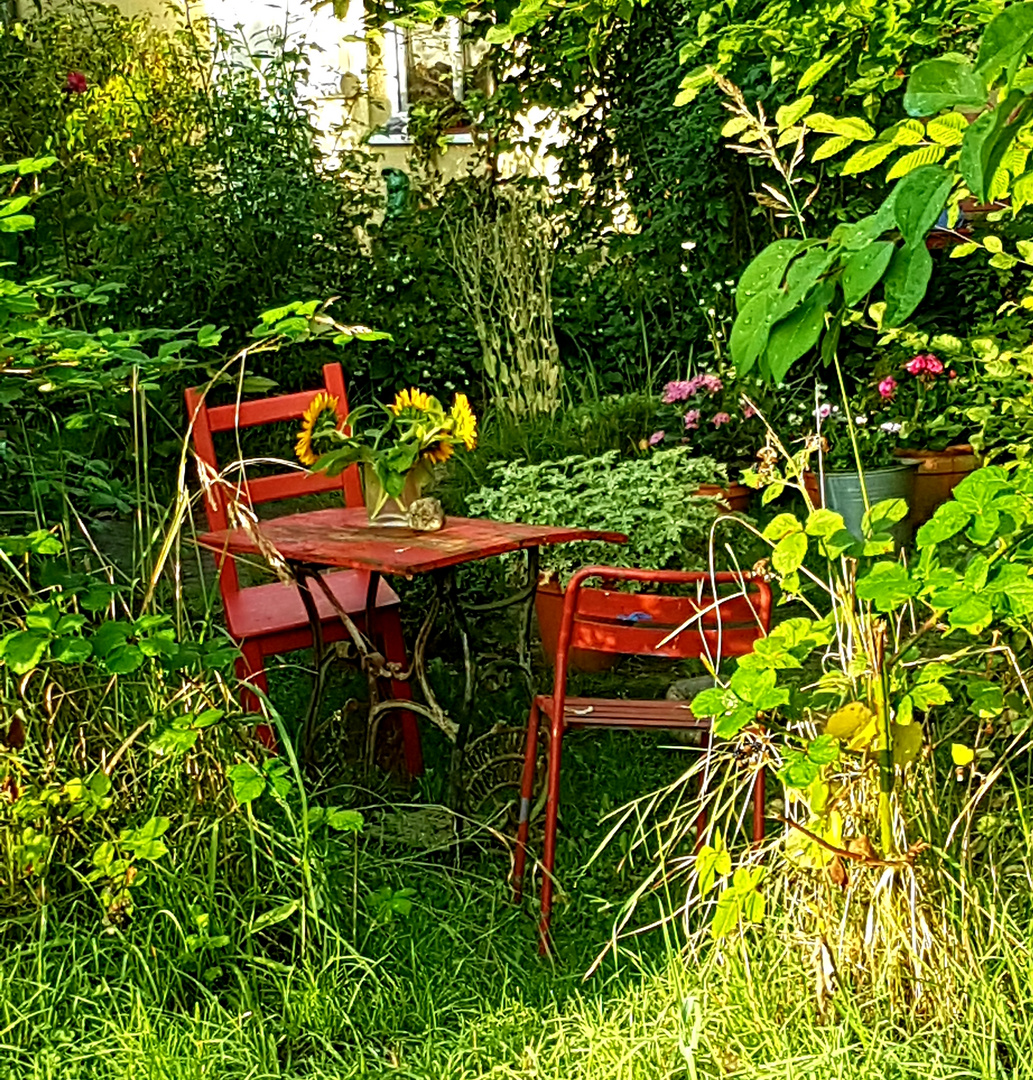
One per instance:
[(635, 623)]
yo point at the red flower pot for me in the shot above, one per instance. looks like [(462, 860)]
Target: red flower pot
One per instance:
[(548, 604)]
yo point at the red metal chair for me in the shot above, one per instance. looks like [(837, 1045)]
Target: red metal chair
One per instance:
[(604, 620), (266, 620)]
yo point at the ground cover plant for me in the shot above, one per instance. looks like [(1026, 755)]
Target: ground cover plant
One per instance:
[(176, 900)]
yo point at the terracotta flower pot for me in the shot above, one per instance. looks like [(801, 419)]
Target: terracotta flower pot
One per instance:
[(937, 473), (548, 605), (735, 498)]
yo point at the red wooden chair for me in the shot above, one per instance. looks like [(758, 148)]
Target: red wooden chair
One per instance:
[(266, 620), (606, 621)]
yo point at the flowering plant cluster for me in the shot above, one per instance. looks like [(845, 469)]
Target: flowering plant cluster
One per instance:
[(928, 400), (417, 432), (707, 413), (875, 432)]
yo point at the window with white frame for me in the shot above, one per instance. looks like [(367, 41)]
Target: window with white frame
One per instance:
[(423, 64)]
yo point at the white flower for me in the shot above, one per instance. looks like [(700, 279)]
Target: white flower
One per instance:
[(688, 245), (860, 421), (891, 428)]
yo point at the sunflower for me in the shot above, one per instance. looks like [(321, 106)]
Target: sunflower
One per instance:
[(411, 399), (438, 451), (321, 404), (464, 423)]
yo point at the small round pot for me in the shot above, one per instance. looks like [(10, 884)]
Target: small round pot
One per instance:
[(548, 605), (391, 512), (843, 494), (735, 498), (937, 473)]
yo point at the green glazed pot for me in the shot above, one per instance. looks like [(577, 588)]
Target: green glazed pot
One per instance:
[(843, 494)]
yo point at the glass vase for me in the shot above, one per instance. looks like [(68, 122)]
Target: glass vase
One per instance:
[(383, 509)]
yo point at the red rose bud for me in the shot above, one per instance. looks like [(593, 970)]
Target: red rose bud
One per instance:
[(75, 83)]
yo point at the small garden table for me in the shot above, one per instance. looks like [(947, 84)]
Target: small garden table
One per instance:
[(343, 538)]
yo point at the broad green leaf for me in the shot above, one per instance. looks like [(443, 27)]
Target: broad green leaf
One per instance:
[(788, 115), (750, 331), (943, 83), (1005, 40), (921, 197), (905, 133), (796, 335), (70, 650), (867, 158), (765, 272), (714, 702), (712, 863), (864, 270), (819, 69), (24, 649), (727, 727), (345, 820), (780, 526), (883, 515), (887, 586), (988, 139), (248, 783), (726, 914), (824, 523), (947, 130), (831, 147), (905, 282), (789, 553), (276, 915), (974, 615), (925, 155), (949, 519), (734, 126), (987, 698), (823, 750)]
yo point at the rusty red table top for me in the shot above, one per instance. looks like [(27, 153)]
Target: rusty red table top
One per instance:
[(342, 537)]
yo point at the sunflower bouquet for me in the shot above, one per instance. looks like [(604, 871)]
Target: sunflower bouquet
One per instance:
[(417, 431)]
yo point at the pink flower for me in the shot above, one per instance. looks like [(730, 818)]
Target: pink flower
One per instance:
[(712, 384), (888, 387), (75, 83), (692, 420), (720, 418), (656, 437), (824, 411), (952, 374), (679, 390), (924, 364), (748, 412)]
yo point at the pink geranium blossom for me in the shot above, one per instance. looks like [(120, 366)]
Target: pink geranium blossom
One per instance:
[(679, 390), (888, 387), (924, 364), (692, 420), (720, 418), (656, 437), (748, 412)]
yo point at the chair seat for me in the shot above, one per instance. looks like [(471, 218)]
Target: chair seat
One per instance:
[(262, 610), (617, 713)]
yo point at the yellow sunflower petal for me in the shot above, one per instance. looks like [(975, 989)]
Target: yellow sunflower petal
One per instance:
[(321, 403), (464, 423)]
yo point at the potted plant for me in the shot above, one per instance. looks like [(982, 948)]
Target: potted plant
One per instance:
[(856, 444), (927, 397), (653, 500), (396, 456), (707, 413)]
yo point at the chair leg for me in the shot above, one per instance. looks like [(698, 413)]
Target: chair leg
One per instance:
[(526, 794), (251, 672), (390, 627), (701, 819), (758, 806), (552, 806)]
